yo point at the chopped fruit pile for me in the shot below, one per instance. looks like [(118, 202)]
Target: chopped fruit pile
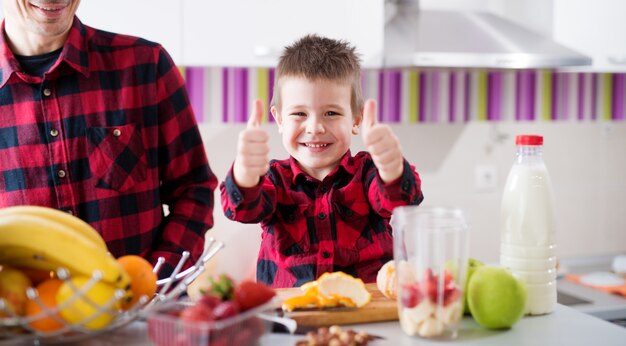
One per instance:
[(330, 290), (430, 305), (223, 301), (335, 336)]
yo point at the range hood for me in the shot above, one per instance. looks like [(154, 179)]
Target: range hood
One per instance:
[(434, 38)]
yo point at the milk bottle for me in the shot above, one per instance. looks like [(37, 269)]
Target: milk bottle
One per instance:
[(528, 226)]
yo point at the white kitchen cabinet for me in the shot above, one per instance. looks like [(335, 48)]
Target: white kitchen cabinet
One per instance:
[(596, 28), (154, 20), (254, 32), (592, 27)]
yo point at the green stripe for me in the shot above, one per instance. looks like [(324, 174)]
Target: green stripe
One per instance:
[(607, 98), (263, 89), (413, 93), (482, 96), (546, 88)]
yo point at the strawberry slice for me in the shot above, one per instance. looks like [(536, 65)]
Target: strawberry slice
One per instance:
[(410, 295)]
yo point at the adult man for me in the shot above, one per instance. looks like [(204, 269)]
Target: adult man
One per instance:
[(99, 125)]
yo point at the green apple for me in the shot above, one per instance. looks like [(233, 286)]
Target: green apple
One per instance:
[(496, 298), (472, 264), (13, 285)]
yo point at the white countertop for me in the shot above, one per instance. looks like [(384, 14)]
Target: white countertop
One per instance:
[(565, 326)]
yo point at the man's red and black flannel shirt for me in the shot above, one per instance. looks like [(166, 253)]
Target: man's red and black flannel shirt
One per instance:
[(108, 134), (311, 227)]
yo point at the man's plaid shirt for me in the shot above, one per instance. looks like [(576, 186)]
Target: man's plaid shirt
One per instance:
[(108, 134)]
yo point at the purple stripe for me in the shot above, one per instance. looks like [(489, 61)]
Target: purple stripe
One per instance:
[(194, 79), (422, 96), (381, 95), (519, 91), (581, 96), (225, 95), (421, 112), (594, 97), (241, 94), (466, 98), (272, 73), (619, 92), (532, 84), (452, 97), (494, 95), (434, 101)]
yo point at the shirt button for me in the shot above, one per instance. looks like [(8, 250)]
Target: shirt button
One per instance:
[(61, 173), (54, 132), (47, 92), (324, 188), (406, 186), (325, 254), (117, 132), (321, 216)]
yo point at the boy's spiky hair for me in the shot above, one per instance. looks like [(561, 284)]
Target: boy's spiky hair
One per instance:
[(314, 57)]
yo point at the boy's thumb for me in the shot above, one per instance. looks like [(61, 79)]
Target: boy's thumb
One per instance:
[(369, 115), (257, 114)]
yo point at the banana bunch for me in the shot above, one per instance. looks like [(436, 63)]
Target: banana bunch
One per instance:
[(48, 239)]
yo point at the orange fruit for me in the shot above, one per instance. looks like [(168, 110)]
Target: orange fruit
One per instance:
[(142, 278), (47, 291), (37, 276)]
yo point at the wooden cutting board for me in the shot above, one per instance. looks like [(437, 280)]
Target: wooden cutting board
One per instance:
[(379, 309)]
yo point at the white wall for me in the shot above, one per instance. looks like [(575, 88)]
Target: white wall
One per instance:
[(587, 164)]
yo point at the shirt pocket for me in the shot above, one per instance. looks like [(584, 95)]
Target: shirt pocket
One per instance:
[(352, 224), (117, 156), (291, 237)]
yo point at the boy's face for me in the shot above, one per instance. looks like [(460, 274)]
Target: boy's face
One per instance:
[(316, 122)]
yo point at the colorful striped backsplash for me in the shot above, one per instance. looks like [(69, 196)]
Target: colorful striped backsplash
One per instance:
[(431, 96)]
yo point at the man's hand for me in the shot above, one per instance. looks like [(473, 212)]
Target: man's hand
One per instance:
[(252, 159), (382, 144)]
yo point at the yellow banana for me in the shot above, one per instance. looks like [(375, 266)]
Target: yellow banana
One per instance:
[(61, 217), (33, 241)]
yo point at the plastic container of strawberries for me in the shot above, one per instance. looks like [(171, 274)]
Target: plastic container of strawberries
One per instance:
[(165, 328)]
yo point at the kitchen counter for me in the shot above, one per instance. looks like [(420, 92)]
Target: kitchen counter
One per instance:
[(565, 326)]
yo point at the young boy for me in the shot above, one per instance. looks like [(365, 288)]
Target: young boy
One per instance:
[(322, 209)]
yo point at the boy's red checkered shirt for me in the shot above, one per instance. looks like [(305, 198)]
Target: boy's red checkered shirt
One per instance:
[(311, 227)]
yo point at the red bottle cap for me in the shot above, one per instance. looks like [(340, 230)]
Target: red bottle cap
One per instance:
[(528, 140)]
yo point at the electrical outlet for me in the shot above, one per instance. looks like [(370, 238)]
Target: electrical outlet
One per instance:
[(486, 177)]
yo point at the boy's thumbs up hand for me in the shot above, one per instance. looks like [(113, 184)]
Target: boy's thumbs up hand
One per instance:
[(252, 159), (382, 144)]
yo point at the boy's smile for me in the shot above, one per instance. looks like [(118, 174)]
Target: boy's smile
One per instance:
[(316, 123)]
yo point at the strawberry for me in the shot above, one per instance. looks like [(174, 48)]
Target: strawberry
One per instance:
[(210, 301), (250, 294), (197, 313), (225, 309), (410, 295)]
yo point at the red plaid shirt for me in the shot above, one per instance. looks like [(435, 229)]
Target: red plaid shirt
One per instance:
[(311, 227), (108, 134)]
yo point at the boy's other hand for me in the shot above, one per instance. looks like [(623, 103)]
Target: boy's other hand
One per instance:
[(382, 144), (252, 159)]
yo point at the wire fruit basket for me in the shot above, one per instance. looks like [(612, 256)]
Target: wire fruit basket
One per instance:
[(18, 330)]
